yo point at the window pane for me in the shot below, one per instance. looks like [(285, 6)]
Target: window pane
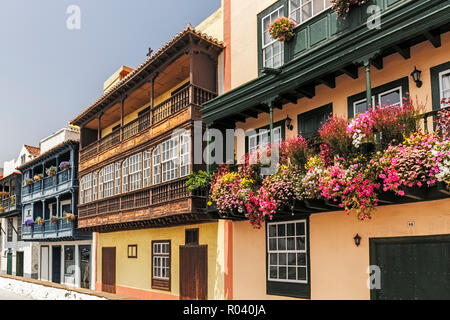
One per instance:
[(272, 231), (273, 259), (282, 259), (318, 6), (291, 229), (273, 272), (292, 261), (301, 273), (300, 243), (282, 244), (390, 99), (281, 230), (301, 259), (291, 243), (282, 272), (306, 11), (300, 229), (292, 273), (273, 244)]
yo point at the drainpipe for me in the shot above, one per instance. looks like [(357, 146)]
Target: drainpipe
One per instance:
[(368, 83), (271, 123)]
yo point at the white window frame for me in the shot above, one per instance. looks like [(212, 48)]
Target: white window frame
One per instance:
[(302, 2), (389, 91), (146, 168), (305, 251), (108, 181), (117, 178), (88, 188), (94, 186), (273, 41), (441, 87), (185, 154), (362, 100), (125, 187), (156, 165), (135, 172), (82, 189), (169, 159), (160, 256), (100, 184), (258, 136)]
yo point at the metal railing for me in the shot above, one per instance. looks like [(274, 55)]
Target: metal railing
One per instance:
[(190, 95), (157, 195), (9, 204), (48, 182), (46, 228)]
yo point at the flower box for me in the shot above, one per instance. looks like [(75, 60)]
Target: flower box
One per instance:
[(38, 177), (28, 182), (52, 171)]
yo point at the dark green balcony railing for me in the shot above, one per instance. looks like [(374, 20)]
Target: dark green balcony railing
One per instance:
[(62, 229)]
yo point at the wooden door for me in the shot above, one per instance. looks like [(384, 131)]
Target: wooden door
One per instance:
[(56, 264), (412, 268), (9, 264), (109, 270), (194, 272), (19, 264)]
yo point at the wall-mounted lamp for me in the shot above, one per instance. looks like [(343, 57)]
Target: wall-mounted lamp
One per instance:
[(357, 239), (416, 77), (289, 124)]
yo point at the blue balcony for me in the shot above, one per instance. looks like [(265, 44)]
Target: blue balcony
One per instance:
[(63, 230), (62, 182)]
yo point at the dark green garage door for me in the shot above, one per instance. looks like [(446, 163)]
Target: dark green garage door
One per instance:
[(412, 268)]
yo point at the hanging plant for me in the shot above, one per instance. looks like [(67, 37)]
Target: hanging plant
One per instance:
[(69, 217), (52, 171), (282, 29), (28, 223), (55, 220), (2, 209), (38, 177), (28, 182), (40, 221), (343, 7), (64, 165), (12, 200)]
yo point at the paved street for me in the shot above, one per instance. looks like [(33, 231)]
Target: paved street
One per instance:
[(7, 295)]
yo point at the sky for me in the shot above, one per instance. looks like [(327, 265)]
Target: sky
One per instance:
[(50, 73)]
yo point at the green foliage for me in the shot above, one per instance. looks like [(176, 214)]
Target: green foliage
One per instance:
[(200, 180)]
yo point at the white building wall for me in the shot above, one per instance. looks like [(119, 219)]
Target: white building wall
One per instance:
[(69, 133), (70, 281), (29, 249)]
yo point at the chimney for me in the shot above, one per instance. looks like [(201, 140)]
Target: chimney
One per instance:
[(116, 77)]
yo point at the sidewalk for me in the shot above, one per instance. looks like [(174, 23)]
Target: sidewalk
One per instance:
[(13, 287)]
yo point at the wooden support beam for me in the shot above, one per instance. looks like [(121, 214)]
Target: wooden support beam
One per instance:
[(377, 62), (249, 114), (308, 91), (351, 71), (237, 118), (292, 98), (329, 81), (404, 51), (434, 39)]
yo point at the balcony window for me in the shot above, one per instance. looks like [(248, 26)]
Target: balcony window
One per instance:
[(184, 155), (261, 139), (157, 165), (117, 181), (444, 86), (94, 186), (272, 50), (135, 171), (108, 181), (169, 159), (125, 176), (303, 10), (100, 184), (146, 169), (87, 188)]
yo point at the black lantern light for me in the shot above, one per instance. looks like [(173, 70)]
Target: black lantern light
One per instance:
[(357, 239), (289, 124), (416, 77)]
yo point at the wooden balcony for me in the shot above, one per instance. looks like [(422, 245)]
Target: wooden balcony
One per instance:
[(191, 96), (157, 206), (10, 205)]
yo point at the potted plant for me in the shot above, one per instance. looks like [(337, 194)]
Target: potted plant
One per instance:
[(38, 177), (70, 217), (64, 165), (52, 171), (55, 220), (342, 7), (40, 221), (28, 222), (12, 200), (3, 194), (2, 209), (282, 29), (28, 182)]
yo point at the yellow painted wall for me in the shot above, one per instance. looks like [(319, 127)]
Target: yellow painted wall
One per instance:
[(134, 115), (136, 273), (423, 55), (213, 25), (244, 39), (338, 267)]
